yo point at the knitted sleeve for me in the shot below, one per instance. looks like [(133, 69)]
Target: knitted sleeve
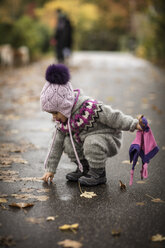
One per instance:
[(55, 153), (116, 119)]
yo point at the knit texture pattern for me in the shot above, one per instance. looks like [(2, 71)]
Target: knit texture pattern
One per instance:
[(57, 98), (97, 133)]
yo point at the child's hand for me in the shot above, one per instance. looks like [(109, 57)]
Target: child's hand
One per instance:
[(47, 176), (138, 127)]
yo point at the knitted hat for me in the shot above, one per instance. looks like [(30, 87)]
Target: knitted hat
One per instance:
[(57, 94)]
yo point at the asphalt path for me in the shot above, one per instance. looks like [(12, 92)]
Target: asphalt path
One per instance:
[(130, 84)]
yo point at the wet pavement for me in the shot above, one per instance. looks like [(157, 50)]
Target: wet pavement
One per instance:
[(121, 80)]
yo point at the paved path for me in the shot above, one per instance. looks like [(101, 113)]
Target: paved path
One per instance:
[(121, 80)]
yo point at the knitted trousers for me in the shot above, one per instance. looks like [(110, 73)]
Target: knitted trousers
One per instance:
[(96, 148)]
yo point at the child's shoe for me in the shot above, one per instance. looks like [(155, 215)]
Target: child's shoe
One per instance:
[(75, 175), (93, 177)]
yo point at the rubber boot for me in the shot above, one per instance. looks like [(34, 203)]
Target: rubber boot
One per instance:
[(75, 175), (93, 177)]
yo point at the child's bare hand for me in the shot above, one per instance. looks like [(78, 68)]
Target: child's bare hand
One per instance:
[(47, 176), (138, 127)]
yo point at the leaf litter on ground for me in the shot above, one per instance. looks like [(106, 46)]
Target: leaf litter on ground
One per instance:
[(67, 227), (116, 233), (157, 200), (3, 200), (140, 203), (122, 186), (157, 238), (86, 194), (51, 218), (34, 220), (70, 243), (127, 162), (30, 196), (21, 205), (7, 241)]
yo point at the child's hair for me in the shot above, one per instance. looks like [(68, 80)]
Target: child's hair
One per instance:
[(57, 94)]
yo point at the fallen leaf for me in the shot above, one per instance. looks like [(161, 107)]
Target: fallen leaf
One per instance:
[(70, 243), (122, 185), (141, 182), (5, 166), (88, 194), (128, 162), (29, 196), (155, 108), (11, 147), (116, 232), (42, 198), (157, 237), (157, 200), (72, 227), (3, 195), (85, 193), (50, 218), (7, 241), (163, 148), (21, 205), (43, 190), (8, 172), (34, 220), (12, 159), (3, 200), (3, 207), (140, 203), (27, 190), (125, 162), (32, 179)]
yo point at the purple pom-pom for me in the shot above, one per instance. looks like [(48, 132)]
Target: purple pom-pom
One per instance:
[(57, 74)]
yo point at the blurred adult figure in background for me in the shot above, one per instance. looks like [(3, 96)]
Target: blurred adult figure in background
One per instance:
[(63, 37)]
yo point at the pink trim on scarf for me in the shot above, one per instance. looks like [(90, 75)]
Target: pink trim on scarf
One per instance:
[(78, 160)]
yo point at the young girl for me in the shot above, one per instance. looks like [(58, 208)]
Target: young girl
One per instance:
[(87, 130)]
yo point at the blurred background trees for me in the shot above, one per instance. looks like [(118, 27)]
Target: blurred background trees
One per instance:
[(109, 25)]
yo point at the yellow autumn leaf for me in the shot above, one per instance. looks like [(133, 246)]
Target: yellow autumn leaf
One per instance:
[(85, 193), (70, 243), (141, 182), (157, 237), (88, 194), (3, 200), (69, 227), (125, 162), (155, 199), (50, 218), (140, 203)]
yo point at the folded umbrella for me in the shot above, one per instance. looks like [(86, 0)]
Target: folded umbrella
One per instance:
[(143, 146)]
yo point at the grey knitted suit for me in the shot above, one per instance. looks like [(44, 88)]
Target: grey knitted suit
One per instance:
[(96, 140)]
